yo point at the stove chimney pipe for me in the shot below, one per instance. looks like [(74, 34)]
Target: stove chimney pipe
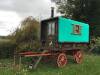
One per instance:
[(52, 12)]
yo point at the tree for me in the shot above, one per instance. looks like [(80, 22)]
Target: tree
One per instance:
[(82, 10), (27, 36)]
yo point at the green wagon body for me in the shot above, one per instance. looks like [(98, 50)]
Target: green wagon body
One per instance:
[(66, 32)]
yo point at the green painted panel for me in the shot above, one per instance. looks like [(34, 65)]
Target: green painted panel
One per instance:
[(65, 31)]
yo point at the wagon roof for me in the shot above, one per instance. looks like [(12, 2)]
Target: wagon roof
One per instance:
[(50, 19), (56, 18)]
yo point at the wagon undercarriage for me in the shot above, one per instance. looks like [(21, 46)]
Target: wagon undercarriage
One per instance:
[(60, 57)]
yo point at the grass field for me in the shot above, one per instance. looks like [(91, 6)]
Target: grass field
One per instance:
[(90, 66)]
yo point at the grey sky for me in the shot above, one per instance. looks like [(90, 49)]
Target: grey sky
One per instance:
[(12, 12), (27, 7)]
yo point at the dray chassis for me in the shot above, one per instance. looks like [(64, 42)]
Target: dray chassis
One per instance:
[(60, 57)]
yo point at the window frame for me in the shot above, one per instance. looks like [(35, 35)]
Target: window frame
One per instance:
[(76, 29)]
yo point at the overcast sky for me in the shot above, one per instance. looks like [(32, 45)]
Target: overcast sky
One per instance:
[(12, 12)]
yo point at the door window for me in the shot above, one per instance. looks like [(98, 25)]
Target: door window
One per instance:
[(51, 28)]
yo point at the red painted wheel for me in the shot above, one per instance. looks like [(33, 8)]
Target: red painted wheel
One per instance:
[(61, 60), (78, 56)]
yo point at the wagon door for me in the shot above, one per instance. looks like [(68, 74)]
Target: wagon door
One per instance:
[(48, 31)]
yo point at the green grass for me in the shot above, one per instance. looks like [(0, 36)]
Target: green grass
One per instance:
[(90, 66)]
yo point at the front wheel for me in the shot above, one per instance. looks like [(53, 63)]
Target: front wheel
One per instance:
[(78, 56), (61, 60)]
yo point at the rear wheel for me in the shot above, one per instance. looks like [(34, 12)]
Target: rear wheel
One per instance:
[(78, 56)]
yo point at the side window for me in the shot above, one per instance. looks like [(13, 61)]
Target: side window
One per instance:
[(51, 28), (77, 29)]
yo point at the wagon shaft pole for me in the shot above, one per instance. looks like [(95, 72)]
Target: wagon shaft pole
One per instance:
[(91, 49), (37, 62)]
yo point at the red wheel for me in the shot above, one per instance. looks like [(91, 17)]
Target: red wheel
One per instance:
[(61, 60), (78, 56)]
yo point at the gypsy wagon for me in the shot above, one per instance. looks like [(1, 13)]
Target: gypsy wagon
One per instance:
[(60, 37)]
